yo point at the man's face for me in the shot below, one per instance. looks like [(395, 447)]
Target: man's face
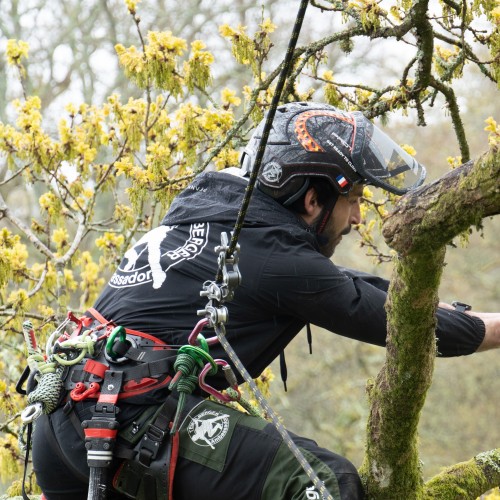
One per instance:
[(345, 213)]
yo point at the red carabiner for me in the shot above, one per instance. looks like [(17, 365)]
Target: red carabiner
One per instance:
[(192, 339), (208, 388), (81, 392)]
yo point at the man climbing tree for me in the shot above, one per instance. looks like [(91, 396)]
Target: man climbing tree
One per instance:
[(159, 152)]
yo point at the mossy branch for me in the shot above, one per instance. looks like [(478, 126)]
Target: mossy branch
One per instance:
[(391, 466), (419, 229), (433, 215), (467, 479)]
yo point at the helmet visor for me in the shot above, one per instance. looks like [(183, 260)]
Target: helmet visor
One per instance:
[(382, 162)]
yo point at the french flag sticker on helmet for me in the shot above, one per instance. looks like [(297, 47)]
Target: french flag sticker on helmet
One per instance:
[(342, 181)]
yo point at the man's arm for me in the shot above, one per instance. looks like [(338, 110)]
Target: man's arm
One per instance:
[(491, 322), (492, 335)]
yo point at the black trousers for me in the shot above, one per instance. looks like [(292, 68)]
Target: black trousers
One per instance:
[(223, 454)]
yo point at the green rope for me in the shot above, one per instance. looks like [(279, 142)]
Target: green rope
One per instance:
[(190, 360), (50, 385), (246, 405), (84, 343), (49, 388)]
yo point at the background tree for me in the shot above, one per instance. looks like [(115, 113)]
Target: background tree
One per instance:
[(73, 198)]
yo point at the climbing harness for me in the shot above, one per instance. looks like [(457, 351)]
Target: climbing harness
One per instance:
[(101, 361)]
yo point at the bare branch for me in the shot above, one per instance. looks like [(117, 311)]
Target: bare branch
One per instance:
[(6, 212)]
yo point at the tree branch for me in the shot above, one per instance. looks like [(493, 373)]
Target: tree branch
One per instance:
[(421, 225), (466, 479), (39, 245), (466, 194)]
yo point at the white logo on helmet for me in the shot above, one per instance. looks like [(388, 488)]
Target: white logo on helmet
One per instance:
[(272, 172)]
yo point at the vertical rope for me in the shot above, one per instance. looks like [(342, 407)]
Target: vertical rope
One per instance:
[(220, 330), (318, 483), (287, 64)]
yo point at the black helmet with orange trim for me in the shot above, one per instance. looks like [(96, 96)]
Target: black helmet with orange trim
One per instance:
[(310, 140)]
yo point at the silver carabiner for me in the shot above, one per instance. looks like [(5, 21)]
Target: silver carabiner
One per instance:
[(31, 412)]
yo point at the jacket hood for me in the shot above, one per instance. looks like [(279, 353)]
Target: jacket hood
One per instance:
[(217, 197)]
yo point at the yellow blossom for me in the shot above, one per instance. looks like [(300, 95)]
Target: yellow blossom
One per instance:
[(124, 166), (132, 5), (19, 300), (71, 109), (60, 237), (16, 50), (267, 26), (328, 76), (495, 14), (226, 31), (51, 203), (454, 162), (110, 240), (227, 158), (367, 193), (409, 149), (229, 97), (45, 310)]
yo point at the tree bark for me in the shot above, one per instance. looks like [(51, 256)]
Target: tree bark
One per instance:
[(419, 229)]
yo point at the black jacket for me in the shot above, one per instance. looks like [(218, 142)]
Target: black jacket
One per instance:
[(286, 282)]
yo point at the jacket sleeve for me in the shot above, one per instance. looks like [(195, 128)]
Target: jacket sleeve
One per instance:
[(351, 303)]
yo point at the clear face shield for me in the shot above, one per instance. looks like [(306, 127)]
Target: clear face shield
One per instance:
[(382, 162)]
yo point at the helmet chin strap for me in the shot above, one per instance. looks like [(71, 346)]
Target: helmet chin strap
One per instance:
[(324, 217)]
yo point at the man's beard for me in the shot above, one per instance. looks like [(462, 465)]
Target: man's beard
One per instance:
[(328, 244)]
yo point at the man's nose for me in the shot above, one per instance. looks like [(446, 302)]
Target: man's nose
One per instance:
[(355, 214)]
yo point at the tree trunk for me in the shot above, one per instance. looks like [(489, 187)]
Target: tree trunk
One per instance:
[(419, 229)]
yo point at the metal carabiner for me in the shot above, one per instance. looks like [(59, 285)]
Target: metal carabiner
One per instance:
[(208, 388), (195, 338), (31, 412)]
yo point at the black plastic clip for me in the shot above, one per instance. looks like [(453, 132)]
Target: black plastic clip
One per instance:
[(461, 306)]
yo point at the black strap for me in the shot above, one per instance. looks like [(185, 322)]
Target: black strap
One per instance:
[(309, 337), (157, 431), (22, 379), (155, 368), (26, 460), (283, 369)]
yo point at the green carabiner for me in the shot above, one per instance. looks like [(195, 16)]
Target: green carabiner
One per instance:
[(200, 356), (119, 330), (202, 341)]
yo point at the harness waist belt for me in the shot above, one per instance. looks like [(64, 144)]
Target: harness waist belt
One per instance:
[(144, 360)]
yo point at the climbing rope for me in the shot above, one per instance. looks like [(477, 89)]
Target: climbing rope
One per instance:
[(318, 483), (189, 362), (285, 70), (45, 397), (222, 289)]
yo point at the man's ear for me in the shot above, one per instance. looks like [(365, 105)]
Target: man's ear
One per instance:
[(311, 205)]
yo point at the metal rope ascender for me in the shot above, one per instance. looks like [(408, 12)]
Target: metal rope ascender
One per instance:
[(229, 277)]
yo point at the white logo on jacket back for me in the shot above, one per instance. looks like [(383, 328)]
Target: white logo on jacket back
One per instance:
[(149, 260)]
